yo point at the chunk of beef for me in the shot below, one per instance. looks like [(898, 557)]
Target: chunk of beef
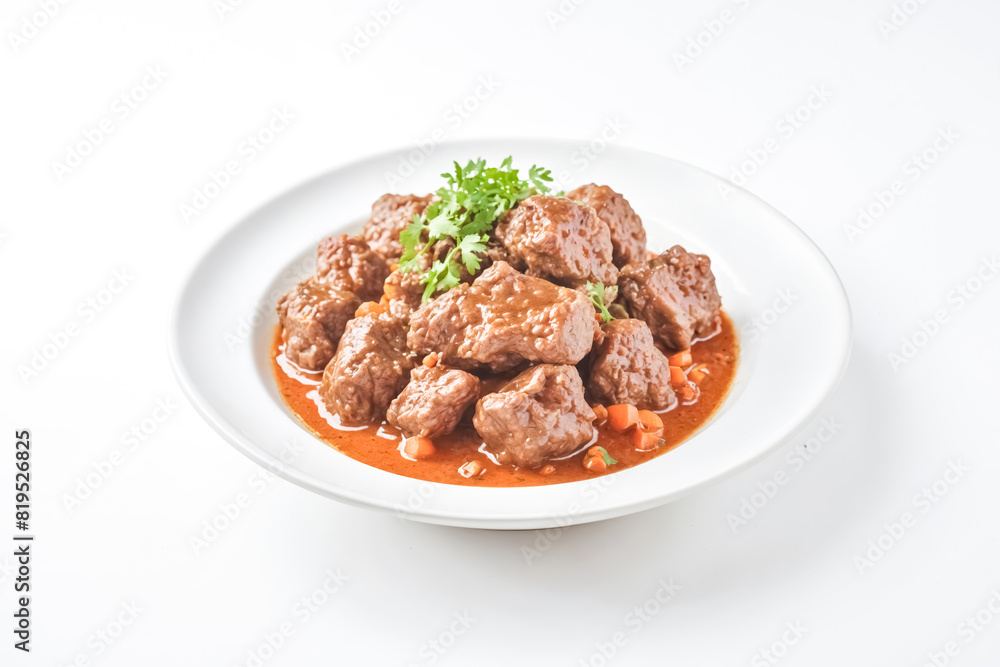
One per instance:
[(626, 367), (405, 291), (371, 367), (350, 264), (557, 239), (313, 315), (539, 415), (628, 237), (390, 216), (503, 319), (434, 401), (675, 294)]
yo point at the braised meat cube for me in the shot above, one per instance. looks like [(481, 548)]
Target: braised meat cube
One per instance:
[(371, 367), (351, 265), (675, 294), (404, 293), (539, 415), (627, 368), (434, 401), (390, 216), (628, 237), (503, 319), (313, 316), (557, 239)]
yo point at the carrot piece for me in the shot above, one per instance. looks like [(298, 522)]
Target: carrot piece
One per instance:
[(622, 417), (597, 459), (688, 393), (367, 308), (698, 373), (600, 413), (682, 359), (431, 360), (650, 420), (677, 377), (647, 440), (393, 267), (418, 447)]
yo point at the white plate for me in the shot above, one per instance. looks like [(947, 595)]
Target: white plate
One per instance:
[(790, 361)]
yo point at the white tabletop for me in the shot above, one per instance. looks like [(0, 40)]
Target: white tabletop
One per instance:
[(872, 125)]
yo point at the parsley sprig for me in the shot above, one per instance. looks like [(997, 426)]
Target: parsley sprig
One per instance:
[(471, 200), (596, 292)]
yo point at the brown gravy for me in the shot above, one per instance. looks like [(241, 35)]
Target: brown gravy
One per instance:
[(379, 445)]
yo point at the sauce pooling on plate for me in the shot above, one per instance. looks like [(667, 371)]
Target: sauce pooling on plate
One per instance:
[(380, 445)]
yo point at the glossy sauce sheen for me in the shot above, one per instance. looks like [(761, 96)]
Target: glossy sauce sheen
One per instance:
[(379, 445)]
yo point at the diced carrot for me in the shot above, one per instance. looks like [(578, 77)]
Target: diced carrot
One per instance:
[(431, 360), (647, 440), (547, 470), (594, 461), (600, 413), (391, 290), (419, 447), (650, 420), (367, 308), (698, 373), (393, 267), (682, 359), (677, 377), (470, 469), (384, 301), (622, 417), (688, 393)]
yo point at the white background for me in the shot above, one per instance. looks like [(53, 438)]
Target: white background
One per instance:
[(888, 93)]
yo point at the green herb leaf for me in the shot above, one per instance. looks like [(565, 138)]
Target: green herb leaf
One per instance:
[(596, 292), (607, 457), (473, 198)]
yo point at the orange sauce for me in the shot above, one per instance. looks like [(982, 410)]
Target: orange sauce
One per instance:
[(379, 445)]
